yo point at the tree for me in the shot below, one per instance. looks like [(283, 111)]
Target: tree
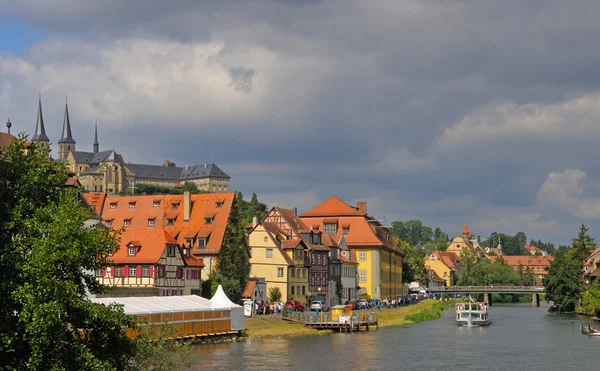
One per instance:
[(563, 284), (467, 265), (190, 187), (339, 289), (582, 245), (47, 263), (274, 295), (254, 209), (591, 299), (413, 265), (232, 258)]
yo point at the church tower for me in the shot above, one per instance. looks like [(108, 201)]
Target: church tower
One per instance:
[(40, 131), (96, 145), (66, 144)]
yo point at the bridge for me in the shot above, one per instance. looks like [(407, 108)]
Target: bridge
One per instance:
[(535, 291)]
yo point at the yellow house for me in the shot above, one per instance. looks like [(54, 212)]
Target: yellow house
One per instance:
[(268, 260), (444, 264), (379, 259), (460, 244)]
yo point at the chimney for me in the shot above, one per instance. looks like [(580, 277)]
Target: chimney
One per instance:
[(254, 221), (362, 207), (295, 209), (186, 167), (205, 164), (187, 206)]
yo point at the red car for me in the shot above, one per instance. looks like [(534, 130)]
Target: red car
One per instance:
[(294, 305)]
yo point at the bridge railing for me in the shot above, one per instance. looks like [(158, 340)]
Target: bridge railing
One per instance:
[(490, 288)]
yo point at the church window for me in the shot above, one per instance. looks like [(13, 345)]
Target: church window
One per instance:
[(110, 173)]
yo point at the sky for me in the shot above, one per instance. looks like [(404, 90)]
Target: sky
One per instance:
[(451, 112)]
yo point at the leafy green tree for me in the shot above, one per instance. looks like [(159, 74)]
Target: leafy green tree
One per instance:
[(413, 265), (563, 284), (190, 187), (209, 286), (467, 268), (274, 295), (590, 302), (254, 209), (47, 263), (232, 258)]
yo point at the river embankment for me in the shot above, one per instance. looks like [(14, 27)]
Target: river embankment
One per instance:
[(274, 326)]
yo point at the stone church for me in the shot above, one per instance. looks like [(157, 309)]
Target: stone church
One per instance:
[(106, 171)]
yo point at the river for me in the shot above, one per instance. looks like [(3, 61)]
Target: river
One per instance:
[(519, 338)]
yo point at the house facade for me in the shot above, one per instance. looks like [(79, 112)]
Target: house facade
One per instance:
[(445, 265), (379, 259), (538, 265), (151, 263), (465, 242)]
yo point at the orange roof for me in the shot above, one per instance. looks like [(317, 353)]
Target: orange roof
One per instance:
[(95, 200), (5, 139), (249, 289), (333, 207), (466, 230), (291, 244), (532, 248), (201, 205), (150, 246), (192, 261), (449, 259)]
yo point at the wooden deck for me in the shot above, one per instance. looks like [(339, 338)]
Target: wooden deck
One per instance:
[(358, 322)]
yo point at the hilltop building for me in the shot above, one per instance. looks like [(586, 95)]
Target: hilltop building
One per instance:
[(107, 171), (465, 242)]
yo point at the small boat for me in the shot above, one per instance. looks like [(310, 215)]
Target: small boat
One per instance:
[(472, 313), (589, 330)]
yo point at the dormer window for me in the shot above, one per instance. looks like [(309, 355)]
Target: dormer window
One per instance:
[(219, 205), (175, 206), (188, 241), (208, 220), (150, 222), (201, 243), (330, 228), (127, 223), (171, 221), (345, 230), (131, 205), (108, 223), (113, 205), (131, 250), (156, 204)]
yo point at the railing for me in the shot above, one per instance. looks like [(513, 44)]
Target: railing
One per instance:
[(491, 288)]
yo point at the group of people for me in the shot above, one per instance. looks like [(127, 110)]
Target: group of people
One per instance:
[(264, 307)]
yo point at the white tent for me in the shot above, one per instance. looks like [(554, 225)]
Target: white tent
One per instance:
[(220, 300)]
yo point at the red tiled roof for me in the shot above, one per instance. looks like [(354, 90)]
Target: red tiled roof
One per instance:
[(291, 244), (448, 258), (333, 207), (150, 243), (96, 201), (525, 260), (249, 289), (6, 139)]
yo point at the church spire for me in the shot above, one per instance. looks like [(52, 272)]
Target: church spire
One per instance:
[(96, 145), (40, 131), (66, 130)]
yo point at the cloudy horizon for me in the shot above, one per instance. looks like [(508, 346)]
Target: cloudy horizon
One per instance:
[(483, 113)]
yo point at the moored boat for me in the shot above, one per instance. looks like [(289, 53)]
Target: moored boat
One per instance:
[(472, 313), (589, 330)]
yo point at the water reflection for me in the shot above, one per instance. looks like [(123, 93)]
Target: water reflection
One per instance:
[(520, 337)]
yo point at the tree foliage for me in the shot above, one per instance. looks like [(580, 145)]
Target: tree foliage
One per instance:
[(232, 259), (249, 210), (274, 295), (590, 302), (413, 265), (152, 189), (563, 284)]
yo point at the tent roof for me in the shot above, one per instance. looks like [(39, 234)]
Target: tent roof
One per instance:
[(220, 300), (162, 304)]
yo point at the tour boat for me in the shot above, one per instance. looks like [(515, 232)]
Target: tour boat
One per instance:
[(472, 313)]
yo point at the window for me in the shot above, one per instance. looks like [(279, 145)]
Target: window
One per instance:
[(201, 243), (170, 221), (318, 259), (98, 272), (131, 205), (293, 291), (150, 222), (303, 290), (113, 205), (170, 250), (304, 273), (179, 272), (131, 251), (362, 275), (108, 223), (145, 271), (160, 271), (95, 188), (100, 188), (174, 206), (445, 274), (362, 256), (118, 272), (345, 230), (132, 271), (279, 272), (156, 204), (127, 223), (208, 220), (293, 274), (330, 228), (219, 205), (324, 259), (266, 239), (188, 241), (269, 253)]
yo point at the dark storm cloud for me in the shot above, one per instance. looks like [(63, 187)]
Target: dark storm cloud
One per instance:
[(360, 97)]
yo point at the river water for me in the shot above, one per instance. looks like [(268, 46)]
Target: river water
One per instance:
[(519, 338)]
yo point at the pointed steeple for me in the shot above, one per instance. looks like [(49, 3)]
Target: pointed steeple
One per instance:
[(40, 131), (66, 131), (96, 145)]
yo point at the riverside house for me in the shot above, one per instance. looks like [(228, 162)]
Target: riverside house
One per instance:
[(379, 259), (444, 264)]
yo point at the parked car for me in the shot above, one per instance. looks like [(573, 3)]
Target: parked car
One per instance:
[(353, 303), (319, 305), (294, 305)]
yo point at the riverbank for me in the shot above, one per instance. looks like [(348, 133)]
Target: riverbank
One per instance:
[(274, 326)]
